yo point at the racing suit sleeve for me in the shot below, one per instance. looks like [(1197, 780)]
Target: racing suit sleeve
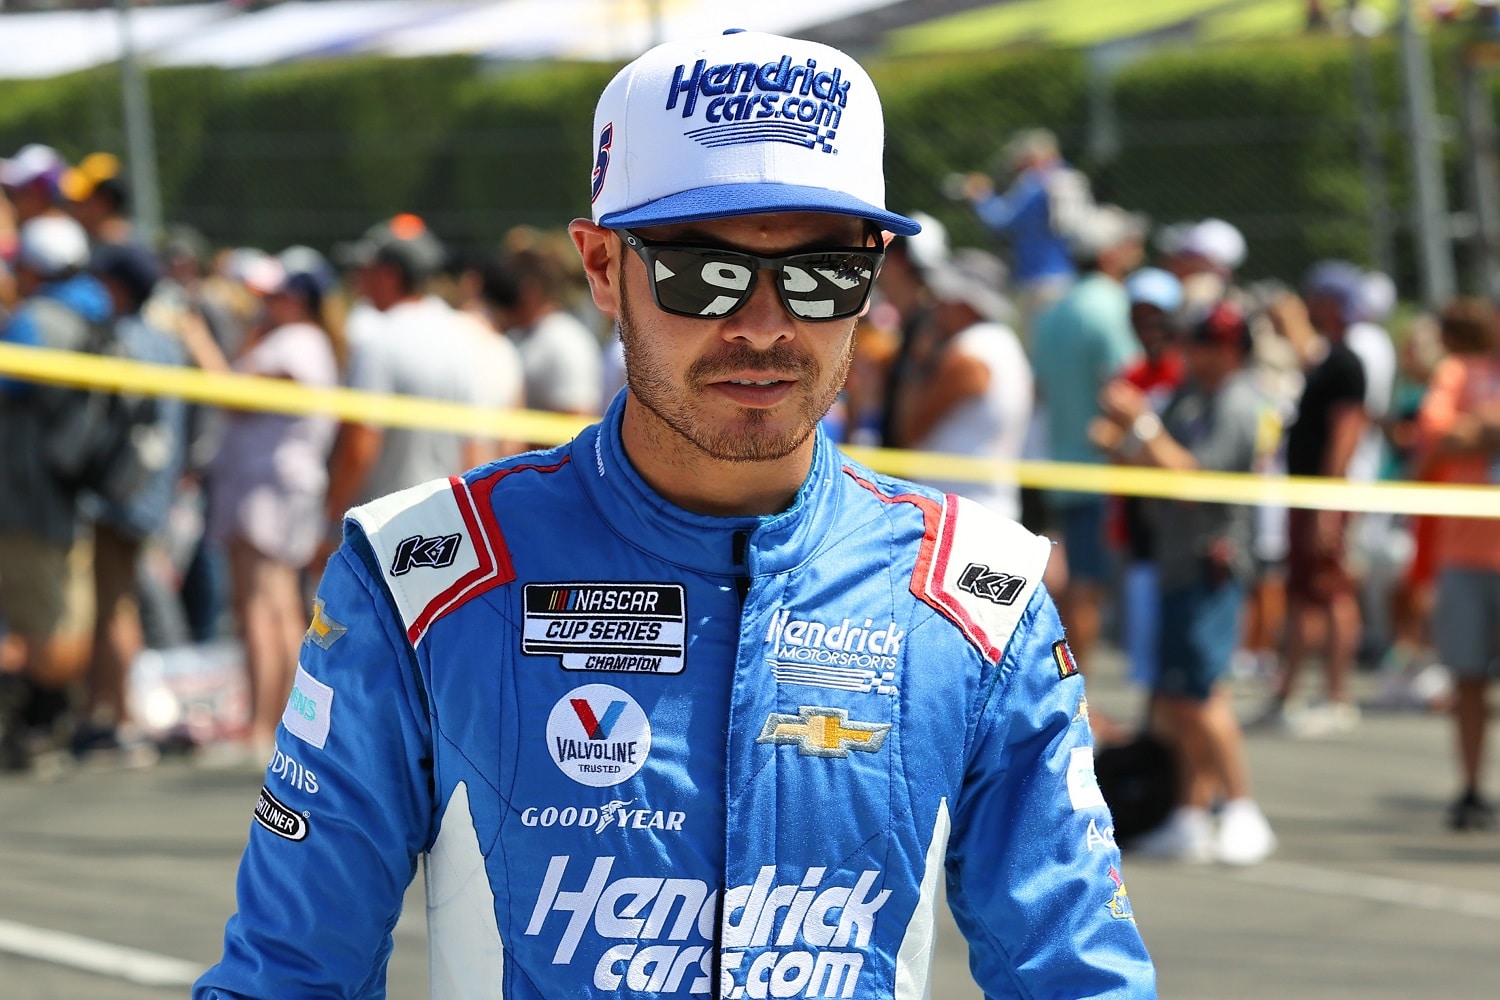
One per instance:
[(346, 809), (1033, 872)]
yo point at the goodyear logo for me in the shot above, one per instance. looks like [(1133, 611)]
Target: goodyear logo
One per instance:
[(823, 732), (746, 102)]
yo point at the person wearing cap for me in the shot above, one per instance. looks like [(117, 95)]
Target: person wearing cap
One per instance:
[(1079, 345), (693, 704), (973, 396), (44, 594), (98, 198), (401, 340), (29, 181), (268, 484), (1331, 418), (1038, 216), (1205, 562), (1155, 298), (123, 524)]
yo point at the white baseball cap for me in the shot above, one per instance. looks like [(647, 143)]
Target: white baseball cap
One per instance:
[(33, 162), (739, 124), (52, 245), (1216, 241)]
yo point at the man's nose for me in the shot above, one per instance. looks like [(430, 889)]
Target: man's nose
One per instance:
[(762, 320)]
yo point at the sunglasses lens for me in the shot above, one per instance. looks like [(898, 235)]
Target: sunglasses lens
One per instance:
[(700, 283), (826, 285)]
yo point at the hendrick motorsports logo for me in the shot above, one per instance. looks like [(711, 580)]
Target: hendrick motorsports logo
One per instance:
[(789, 937), (598, 735), (845, 656), (611, 627)]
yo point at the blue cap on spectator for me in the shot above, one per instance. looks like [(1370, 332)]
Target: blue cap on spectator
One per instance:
[(1155, 287), (1338, 280)]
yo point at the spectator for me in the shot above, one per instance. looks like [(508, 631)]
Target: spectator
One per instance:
[(30, 180), (1460, 425), (98, 198), (561, 359), (1155, 297), (269, 482), (123, 525), (403, 341), (1205, 562), (1331, 419), (903, 284), (974, 394), (1081, 344), (44, 598), (1045, 208)]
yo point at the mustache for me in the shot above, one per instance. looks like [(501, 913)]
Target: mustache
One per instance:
[(783, 359)]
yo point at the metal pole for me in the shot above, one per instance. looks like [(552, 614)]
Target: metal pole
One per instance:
[(140, 142), (1371, 159), (1430, 209), (1483, 175)]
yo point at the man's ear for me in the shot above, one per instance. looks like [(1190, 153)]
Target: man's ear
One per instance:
[(600, 249)]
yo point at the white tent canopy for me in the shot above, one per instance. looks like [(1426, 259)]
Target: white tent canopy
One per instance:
[(223, 34)]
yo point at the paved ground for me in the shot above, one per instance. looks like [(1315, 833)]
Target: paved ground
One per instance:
[(1368, 897)]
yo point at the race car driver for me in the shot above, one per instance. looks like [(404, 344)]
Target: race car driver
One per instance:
[(693, 705)]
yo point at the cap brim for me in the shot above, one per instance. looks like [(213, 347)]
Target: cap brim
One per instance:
[(726, 200)]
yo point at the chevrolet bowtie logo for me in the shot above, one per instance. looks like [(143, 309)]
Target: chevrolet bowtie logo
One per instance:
[(323, 631), (823, 732)]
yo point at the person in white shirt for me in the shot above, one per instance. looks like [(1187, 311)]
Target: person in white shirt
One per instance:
[(561, 358), (974, 394)]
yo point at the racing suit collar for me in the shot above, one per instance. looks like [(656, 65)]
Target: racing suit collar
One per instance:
[(699, 542)]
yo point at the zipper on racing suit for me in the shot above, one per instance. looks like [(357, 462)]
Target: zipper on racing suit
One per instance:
[(740, 552)]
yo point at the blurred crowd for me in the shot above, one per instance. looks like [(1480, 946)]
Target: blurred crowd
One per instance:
[(1081, 334)]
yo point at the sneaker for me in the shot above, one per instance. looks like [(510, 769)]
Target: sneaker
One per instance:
[(1245, 837), (1323, 721), (1187, 836), (1471, 812)]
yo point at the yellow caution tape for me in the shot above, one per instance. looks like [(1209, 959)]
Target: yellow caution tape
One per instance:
[(246, 392)]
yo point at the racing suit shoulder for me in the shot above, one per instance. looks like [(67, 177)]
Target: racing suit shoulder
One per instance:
[(447, 528), (976, 568)]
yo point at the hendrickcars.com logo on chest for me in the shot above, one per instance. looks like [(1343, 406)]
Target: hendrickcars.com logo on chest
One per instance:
[(803, 938), (746, 102)]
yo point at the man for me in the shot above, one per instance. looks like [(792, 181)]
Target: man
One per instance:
[(560, 358), (1081, 344), (44, 596), (404, 341), (1460, 427), (973, 395), (99, 198), (1039, 215), (1205, 562), (1331, 418), (693, 705), (30, 182)]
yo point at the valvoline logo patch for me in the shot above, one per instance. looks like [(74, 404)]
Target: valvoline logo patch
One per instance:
[(601, 158), (598, 735), (744, 103)]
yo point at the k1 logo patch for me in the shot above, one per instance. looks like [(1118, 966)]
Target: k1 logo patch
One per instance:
[(996, 587), (421, 552), (598, 735), (620, 627)]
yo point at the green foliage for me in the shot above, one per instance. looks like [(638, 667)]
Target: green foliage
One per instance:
[(1264, 136)]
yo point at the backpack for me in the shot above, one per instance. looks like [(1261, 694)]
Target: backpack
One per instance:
[(100, 442)]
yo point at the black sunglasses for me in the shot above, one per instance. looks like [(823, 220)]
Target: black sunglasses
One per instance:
[(705, 282)]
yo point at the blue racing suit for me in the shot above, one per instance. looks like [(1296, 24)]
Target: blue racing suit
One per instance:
[(650, 753)]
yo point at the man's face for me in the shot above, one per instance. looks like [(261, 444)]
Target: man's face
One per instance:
[(1151, 329), (746, 387)]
